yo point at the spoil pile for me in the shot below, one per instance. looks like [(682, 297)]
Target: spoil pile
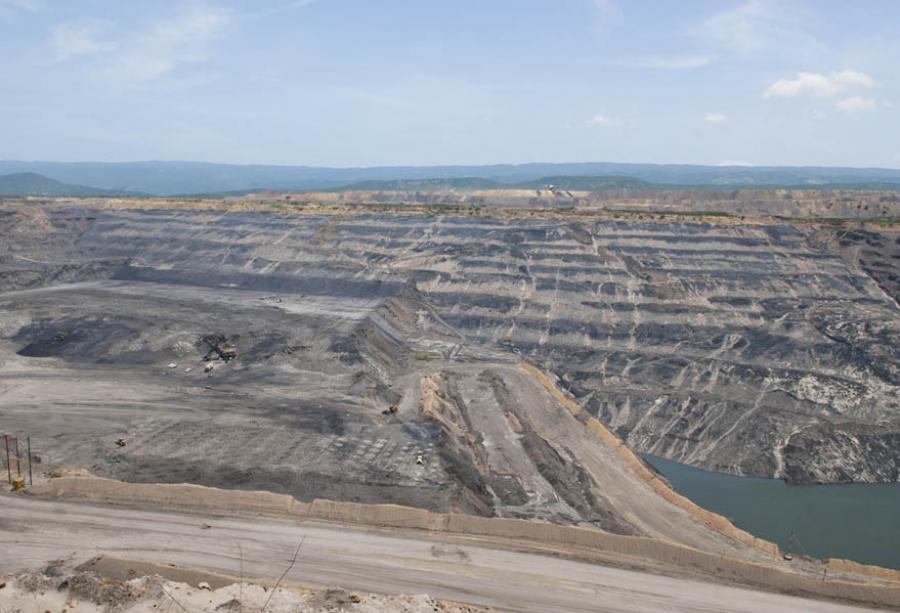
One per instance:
[(90, 592)]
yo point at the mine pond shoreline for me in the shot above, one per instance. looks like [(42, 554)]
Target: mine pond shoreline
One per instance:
[(858, 521)]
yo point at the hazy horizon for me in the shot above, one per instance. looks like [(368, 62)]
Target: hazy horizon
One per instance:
[(450, 165)]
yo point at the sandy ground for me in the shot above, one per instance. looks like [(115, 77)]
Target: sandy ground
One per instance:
[(88, 592), (34, 532)]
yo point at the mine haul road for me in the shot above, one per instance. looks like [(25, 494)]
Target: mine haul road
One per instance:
[(34, 532)]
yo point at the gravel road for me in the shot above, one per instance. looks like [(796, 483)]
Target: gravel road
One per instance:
[(34, 532)]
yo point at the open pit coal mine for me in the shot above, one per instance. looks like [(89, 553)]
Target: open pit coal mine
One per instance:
[(376, 357)]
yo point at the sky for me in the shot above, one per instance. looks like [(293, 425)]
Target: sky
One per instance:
[(424, 82)]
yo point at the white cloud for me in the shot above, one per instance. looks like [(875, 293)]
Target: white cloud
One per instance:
[(761, 27), (297, 4), (600, 120), (715, 118), (605, 121), (816, 84), (741, 27), (608, 12), (165, 46), (24, 5), (69, 41), (855, 104), (288, 6), (9, 7), (607, 7), (668, 62)]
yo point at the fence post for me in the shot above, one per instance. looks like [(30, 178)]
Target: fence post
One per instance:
[(8, 463), (30, 476)]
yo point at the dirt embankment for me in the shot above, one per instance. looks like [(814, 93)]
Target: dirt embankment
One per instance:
[(111, 584), (859, 208), (191, 497), (646, 474), (564, 540)]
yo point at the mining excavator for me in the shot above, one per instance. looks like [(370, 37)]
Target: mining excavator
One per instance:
[(795, 546)]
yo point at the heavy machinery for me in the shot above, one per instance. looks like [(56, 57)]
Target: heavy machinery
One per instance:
[(795, 546), (15, 463)]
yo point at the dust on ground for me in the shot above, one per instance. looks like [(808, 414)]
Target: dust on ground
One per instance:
[(110, 585)]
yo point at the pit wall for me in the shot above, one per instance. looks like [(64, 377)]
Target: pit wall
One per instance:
[(195, 498), (660, 486)]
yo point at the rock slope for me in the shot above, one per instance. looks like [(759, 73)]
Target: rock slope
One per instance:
[(759, 349)]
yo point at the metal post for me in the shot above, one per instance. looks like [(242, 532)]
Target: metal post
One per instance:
[(30, 476), (18, 459), (8, 463)]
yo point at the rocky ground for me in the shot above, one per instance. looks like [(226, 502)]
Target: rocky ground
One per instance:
[(785, 203), (371, 357), (85, 591)]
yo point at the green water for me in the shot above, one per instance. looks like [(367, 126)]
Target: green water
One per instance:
[(858, 521)]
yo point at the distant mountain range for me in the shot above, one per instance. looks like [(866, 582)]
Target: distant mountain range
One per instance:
[(183, 178), (33, 184), (474, 183)]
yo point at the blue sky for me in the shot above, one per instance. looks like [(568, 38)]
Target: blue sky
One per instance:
[(365, 82)]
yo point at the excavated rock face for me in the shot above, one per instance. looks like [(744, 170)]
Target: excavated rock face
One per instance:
[(844, 452), (766, 350), (711, 345)]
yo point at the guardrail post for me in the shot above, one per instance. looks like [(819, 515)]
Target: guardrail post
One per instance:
[(8, 463), (30, 477)]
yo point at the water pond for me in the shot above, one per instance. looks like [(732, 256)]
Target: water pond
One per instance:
[(857, 521)]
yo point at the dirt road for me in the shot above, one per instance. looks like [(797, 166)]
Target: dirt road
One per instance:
[(33, 532)]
